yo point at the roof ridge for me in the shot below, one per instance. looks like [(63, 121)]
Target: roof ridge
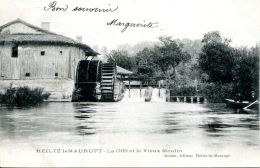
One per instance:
[(18, 20)]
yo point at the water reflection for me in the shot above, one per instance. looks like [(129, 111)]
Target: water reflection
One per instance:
[(220, 124), (225, 127), (214, 127), (171, 123), (85, 130), (250, 123), (83, 113), (165, 122), (7, 125)]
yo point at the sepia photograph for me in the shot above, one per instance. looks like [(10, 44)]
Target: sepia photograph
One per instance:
[(133, 83)]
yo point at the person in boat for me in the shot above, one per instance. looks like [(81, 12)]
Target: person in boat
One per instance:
[(238, 97), (148, 93), (253, 95)]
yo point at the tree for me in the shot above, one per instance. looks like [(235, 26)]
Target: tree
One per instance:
[(161, 60), (122, 59), (217, 58), (246, 72), (214, 37), (146, 68), (187, 72), (169, 55)]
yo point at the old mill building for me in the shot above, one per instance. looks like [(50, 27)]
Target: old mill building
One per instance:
[(36, 57)]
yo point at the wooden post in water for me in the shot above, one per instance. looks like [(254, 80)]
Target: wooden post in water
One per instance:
[(198, 99), (159, 88), (140, 88), (178, 99), (191, 99), (185, 99), (129, 87), (168, 96)]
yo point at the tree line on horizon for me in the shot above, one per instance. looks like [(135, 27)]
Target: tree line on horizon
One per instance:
[(209, 67)]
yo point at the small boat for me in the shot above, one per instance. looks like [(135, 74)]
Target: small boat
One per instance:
[(236, 104), (252, 107)]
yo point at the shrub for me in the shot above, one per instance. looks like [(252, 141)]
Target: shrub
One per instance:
[(23, 96), (216, 93), (183, 91), (213, 92)]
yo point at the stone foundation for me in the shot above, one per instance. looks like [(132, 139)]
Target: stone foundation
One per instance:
[(60, 89)]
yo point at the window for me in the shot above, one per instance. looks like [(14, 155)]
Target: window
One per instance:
[(56, 74), (27, 74), (42, 52), (60, 52), (15, 51)]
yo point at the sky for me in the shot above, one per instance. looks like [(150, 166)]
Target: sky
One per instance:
[(235, 19)]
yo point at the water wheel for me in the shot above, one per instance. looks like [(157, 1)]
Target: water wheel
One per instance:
[(87, 82), (108, 77)]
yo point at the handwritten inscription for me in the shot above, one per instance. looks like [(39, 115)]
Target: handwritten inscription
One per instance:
[(94, 9), (54, 7), (125, 25)]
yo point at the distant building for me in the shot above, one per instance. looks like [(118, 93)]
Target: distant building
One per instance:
[(35, 56), (123, 73)]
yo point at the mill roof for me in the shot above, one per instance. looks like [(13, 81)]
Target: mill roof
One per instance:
[(123, 71), (44, 37)]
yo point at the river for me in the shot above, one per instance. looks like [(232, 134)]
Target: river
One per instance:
[(129, 124)]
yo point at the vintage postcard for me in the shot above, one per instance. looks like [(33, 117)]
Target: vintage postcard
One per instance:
[(133, 83)]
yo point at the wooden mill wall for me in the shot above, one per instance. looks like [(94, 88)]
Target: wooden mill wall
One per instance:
[(57, 59)]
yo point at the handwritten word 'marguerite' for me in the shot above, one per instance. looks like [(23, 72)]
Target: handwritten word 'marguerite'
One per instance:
[(115, 22)]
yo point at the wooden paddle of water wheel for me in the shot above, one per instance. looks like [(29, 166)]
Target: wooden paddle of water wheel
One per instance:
[(108, 77), (97, 81), (87, 83)]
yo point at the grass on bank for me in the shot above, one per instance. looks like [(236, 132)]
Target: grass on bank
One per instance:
[(23, 96)]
